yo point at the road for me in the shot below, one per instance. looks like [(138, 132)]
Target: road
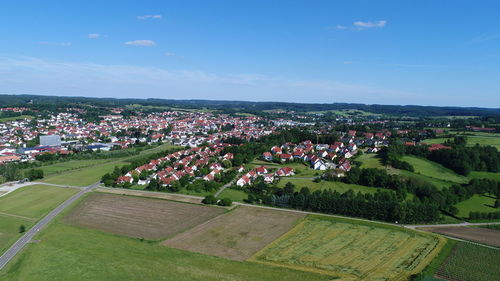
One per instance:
[(225, 186), (26, 238)]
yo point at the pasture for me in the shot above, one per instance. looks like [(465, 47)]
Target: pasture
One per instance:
[(469, 262), (67, 252), (25, 206), (476, 234), (370, 160), (352, 250), (138, 217), (236, 235), (433, 170), (334, 185), (477, 203)]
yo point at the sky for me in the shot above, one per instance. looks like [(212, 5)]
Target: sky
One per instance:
[(427, 52)]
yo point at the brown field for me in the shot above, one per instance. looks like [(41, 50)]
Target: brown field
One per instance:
[(236, 235), (138, 217), (476, 234), (149, 194)]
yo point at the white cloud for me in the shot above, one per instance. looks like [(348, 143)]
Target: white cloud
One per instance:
[(369, 24), (93, 35), (60, 44), (37, 76), (340, 27), (145, 17), (143, 43)]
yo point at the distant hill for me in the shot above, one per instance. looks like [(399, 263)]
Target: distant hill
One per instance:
[(407, 110)]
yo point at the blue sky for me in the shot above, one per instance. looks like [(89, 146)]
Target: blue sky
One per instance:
[(431, 52)]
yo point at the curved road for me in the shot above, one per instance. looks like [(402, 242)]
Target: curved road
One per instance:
[(26, 238)]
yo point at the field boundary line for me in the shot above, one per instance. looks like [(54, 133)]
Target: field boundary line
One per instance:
[(17, 216)]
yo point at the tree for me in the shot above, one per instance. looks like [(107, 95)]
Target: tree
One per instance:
[(225, 202), (497, 203), (22, 228), (210, 200), (289, 188)]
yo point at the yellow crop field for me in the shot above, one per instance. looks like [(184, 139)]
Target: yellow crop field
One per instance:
[(352, 250)]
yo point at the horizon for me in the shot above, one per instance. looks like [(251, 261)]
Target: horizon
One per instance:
[(390, 53)]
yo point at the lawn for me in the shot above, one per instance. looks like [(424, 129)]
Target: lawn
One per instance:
[(25, 206), (334, 185), (484, 175), (477, 203), (6, 119), (370, 160), (469, 262), (233, 194), (34, 201), (85, 176), (300, 169), (433, 170), (70, 165), (74, 253), (352, 250)]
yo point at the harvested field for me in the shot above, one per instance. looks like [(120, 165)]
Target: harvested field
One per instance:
[(476, 234), (138, 217), (352, 250), (150, 194), (236, 235)]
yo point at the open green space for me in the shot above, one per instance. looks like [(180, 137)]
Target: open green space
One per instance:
[(233, 194), (492, 139), (34, 201), (484, 175), (70, 165), (354, 250), (370, 160), (85, 176), (301, 170), (68, 252), (433, 170), (322, 185), (477, 203), (6, 119), (25, 206)]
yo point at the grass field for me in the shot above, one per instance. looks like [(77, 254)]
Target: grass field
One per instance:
[(334, 185), (6, 119), (477, 138), (300, 169), (25, 206), (469, 262), (233, 194), (70, 165), (236, 235), (354, 251), (139, 217), (477, 203), (73, 253), (434, 170), (484, 175), (85, 176), (370, 160)]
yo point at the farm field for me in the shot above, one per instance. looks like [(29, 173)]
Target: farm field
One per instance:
[(236, 235), (477, 203), (67, 252), (70, 165), (25, 206), (334, 185), (300, 169), (138, 217), (434, 170), (469, 262), (476, 234), (85, 176), (354, 251), (233, 194)]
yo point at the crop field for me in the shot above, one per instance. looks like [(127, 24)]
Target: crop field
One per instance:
[(469, 262), (236, 235), (476, 234), (334, 185), (25, 206), (138, 217), (477, 203), (67, 252), (434, 170), (354, 251)]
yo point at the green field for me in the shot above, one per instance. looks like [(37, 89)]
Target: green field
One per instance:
[(469, 262), (70, 165), (478, 138), (6, 119), (334, 185), (233, 194), (484, 175), (477, 203), (25, 206), (434, 170), (352, 250), (73, 253), (370, 160), (301, 170)]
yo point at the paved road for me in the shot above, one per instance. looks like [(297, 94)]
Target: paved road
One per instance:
[(26, 238)]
